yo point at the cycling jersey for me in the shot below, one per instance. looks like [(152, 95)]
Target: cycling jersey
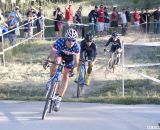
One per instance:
[(89, 52), (114, 44), (65, 52)]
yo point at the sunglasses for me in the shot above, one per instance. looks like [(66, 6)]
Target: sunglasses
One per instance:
[(71, 40)]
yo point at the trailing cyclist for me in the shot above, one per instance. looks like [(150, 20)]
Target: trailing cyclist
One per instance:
[(115, 45), (68, 50), (88, 52)]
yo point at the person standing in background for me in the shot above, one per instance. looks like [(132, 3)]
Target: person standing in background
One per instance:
[(106, 19), (156, 15), (114, 19), (147, 17), (93, 16), (58, 17), (17, 19), (123, 22), (142, 20), (40, 22), (136, 18), (69, 14), (128, 16), (78, 20), (100, 21)]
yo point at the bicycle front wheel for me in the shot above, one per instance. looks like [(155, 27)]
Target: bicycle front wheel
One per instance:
[(79, 90), (48, 101), (81, 80)]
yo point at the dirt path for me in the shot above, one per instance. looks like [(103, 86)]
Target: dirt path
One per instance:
[(32, 76)]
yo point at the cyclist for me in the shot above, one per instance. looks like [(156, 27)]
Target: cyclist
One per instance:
[(89, 52), (67, 49), (115, 44)]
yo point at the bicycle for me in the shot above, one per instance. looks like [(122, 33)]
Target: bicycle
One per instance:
[(112, 62), (52, 86), (81, 77)]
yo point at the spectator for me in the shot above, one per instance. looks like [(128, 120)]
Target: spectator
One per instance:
[(142, 20), (123, 21), (100, 23), (1, 16), (40, 22), (114, 19), (156, 15), (3, 29), (17, 18), (106, 19), (136, 18), (58, 17), (78, 20), (28, 25), (128, 16), (93, 15), (34, 12), (11, 26), (69, 14), (147, 16)]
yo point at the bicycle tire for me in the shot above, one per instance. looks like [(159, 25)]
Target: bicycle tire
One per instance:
[(48, 102), (116, 60), (110, 64), (79, 90), (51, 107), (81, 80)]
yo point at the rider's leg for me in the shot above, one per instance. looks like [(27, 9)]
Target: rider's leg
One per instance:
[(89, 71), (118, 54), (62, 88), (53, 67), (64, 85)]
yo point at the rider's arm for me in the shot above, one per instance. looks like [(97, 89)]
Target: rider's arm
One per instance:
[(119, 42), (77, 56), (108, 42), (95, 54), (56, 46)]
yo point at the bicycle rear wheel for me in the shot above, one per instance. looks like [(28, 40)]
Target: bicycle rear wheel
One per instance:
[(48, 101)]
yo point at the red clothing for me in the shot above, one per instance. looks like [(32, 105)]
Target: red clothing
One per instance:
[(114, 16), (69, 14), (101, 15), (136, 16)]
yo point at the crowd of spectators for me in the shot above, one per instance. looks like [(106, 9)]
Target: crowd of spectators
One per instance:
[(100, 21)]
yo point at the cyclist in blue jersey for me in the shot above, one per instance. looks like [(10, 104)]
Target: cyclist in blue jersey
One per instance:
[(89, 52), (68, 50)]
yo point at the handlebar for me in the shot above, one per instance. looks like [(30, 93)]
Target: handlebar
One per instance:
[(54, 62), (71, 73)]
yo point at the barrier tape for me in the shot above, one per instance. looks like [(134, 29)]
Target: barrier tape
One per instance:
[(141, 65)]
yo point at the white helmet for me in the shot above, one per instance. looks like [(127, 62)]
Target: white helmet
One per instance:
[(71, 33)]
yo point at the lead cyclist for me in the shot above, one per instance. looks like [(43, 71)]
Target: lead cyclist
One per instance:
[(68, 50)]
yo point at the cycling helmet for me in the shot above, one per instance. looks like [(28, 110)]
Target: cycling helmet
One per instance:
[(115, 34), (71, 34), (89, 37)]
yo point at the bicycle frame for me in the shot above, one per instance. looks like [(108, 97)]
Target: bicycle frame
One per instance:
[(81, 77), (52, 85), (113, 60)]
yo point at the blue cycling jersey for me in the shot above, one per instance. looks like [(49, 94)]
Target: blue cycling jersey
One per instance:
[(60, 45), (65, 52)]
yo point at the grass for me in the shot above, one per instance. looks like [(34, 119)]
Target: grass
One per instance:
[(26, 80)]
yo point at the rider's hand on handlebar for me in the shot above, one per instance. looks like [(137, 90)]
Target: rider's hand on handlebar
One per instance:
[(45, 64)]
